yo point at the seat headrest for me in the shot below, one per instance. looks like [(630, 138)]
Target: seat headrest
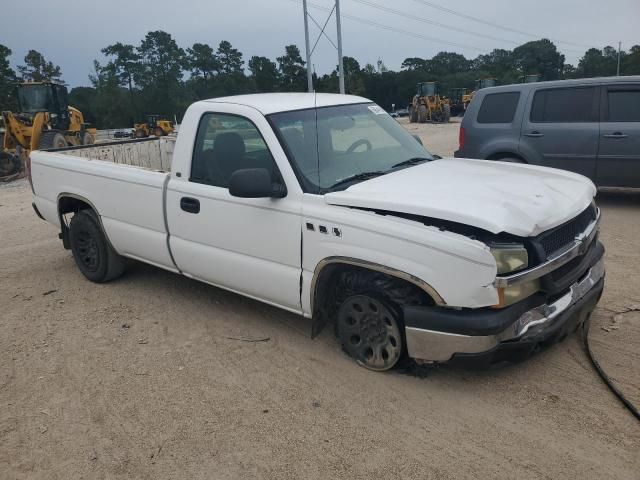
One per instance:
[(229, 144)]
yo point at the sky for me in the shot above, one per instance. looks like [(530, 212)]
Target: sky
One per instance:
[(71, 33)]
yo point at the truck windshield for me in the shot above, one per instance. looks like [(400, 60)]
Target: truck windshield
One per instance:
[(35, 98), (332, 148)]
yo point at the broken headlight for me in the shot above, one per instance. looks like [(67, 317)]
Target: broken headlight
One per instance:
[(510, 257)]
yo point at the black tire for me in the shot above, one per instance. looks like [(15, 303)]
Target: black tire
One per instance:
[(413, 114), (140, 133), (10, 164), (158, 132), (52, 139), (371, 331), (87, 139), (447, 113), (93, 254), (422, 114)]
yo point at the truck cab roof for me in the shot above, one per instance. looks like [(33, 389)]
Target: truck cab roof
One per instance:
[(267, 103)]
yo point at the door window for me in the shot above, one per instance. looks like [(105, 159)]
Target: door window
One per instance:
[(227, 143), (624, 105), (565, 105)]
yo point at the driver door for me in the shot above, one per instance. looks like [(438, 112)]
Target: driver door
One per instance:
[(248, 245)]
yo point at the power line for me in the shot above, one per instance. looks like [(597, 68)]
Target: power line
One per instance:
[(431, 22), (495, 25), (393, 29)]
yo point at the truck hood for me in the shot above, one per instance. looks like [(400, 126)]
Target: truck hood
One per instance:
[(522, 200)]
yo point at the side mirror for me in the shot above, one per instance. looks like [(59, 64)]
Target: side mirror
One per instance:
[(255, 183), (418, 139)]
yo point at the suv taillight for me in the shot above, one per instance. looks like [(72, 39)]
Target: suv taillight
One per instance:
[(461, 139)]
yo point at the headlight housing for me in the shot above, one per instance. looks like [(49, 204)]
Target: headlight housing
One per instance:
[(510, 257)]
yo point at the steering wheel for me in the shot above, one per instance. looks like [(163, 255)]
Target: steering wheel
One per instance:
[(357, 143)]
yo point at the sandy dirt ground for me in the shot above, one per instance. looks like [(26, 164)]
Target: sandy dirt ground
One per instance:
[(152, 377)]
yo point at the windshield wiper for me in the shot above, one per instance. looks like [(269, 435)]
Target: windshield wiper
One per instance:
[(356, 177), (411, 161)]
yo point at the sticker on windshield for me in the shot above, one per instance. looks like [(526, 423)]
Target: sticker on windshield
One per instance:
[(377, 110)]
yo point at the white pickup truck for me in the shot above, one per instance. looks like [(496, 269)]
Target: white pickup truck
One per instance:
[(323, 205)]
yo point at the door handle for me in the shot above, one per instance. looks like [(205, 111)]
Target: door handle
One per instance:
[(615, 135), (534, 134), (190, 205)]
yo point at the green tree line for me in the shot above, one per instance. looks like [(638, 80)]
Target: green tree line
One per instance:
[(160, 77)]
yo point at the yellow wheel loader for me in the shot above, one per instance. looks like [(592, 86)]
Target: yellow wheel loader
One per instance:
[(153, 126), (428, 106), (45, 120)]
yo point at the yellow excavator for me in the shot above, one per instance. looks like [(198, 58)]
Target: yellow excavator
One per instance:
[(153, 126), (428, 106), (45, 120)]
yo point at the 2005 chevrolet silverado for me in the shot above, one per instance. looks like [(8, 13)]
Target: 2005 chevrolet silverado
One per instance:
[(325, 206)]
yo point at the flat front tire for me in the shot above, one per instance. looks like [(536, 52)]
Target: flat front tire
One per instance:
[(94, 256), (370, 331)]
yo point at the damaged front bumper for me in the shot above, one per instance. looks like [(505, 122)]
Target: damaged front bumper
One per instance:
[(478, 338)]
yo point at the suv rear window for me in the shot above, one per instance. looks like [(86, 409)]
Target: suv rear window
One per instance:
[(624, 105), (498, 107), (565, 105)]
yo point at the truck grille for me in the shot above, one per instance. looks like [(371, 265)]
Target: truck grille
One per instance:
[(563, 235)]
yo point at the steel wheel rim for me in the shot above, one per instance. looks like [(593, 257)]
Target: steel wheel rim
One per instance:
[(87, 250), (370, 333)]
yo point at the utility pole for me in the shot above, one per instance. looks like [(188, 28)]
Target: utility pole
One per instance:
[(340, 62), (619, 48), (306, 41)]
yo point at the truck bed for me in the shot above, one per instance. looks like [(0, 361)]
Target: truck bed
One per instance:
[(149, 153), (124, 181)]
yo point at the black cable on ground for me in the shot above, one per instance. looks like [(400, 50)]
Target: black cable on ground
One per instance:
[(605, 378)]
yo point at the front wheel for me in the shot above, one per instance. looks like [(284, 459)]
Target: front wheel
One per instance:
[(447, 113), (94, 256), (52, 139), (370, 331), (88, 139)]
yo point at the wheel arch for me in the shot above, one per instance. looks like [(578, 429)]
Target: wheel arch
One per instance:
[(506, 154), (329, 267), (72, 203)]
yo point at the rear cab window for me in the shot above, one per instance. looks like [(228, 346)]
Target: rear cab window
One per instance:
[(565, 105), (498, 107)]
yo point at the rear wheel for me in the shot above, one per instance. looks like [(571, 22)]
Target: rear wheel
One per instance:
[(93, 254), (370, 331), (158, 132), (422, 113), (52, 139), (140, 133), (413, 114)]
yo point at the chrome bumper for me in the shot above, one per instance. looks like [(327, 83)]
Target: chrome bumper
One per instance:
[(437, 346)]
